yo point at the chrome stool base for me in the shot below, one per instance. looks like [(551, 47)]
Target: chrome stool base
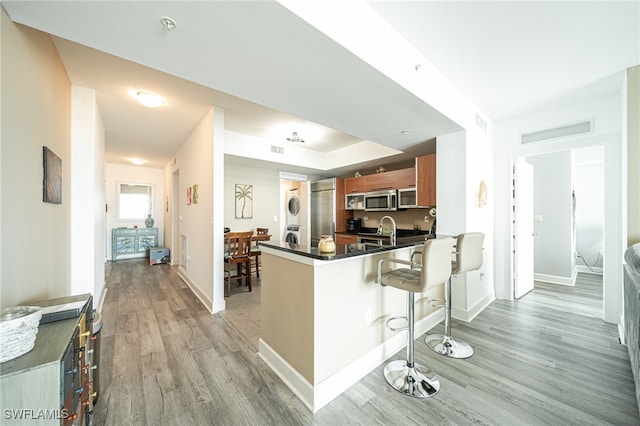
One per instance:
[(416, 381), (449, 347)]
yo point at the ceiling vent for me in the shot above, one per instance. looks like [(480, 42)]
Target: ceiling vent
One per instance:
[(277, 149), (558, 132)]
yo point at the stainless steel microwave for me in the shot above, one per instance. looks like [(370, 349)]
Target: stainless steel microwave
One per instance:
[(381, 201)]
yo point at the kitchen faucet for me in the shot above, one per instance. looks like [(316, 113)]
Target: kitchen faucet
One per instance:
[(393, 231)]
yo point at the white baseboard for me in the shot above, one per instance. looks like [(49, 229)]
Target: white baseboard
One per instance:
[(469, 314), (290, 376), (219, 305), (583, 269), (316, 397), (102, 297), (194, 288), (557, 279)]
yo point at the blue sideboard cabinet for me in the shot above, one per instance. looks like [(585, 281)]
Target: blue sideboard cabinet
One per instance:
[(128, 241)]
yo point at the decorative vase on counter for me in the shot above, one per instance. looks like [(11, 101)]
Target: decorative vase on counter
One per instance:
[(149, 221), (326, 244)]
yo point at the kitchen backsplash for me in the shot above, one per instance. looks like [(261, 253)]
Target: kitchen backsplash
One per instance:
[(405, 219)]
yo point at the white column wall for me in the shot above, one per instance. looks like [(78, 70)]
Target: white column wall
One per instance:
[(464, 159), (87, 195)]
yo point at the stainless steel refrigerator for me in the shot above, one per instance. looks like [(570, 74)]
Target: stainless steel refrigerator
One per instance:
[(323, 209)]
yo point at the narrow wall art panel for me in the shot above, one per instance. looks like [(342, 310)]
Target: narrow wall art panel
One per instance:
[(244, 201), (52, 177)]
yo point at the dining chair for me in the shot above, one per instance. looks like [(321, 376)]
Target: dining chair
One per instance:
[(238, 253), (262, 234)]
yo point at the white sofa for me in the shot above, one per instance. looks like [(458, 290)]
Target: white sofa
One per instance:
[(632, 311)]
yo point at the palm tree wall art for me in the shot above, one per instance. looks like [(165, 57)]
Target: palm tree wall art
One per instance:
[(244, 201)]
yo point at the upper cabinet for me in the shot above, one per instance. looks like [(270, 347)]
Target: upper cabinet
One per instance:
[(421, 177), (381, 181), (426, 180), (355, 185), (406, 178)]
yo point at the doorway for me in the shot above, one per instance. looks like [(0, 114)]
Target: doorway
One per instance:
[(570, 219)]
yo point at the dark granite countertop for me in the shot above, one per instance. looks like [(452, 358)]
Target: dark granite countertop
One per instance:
[(342, 250), (374, 231)]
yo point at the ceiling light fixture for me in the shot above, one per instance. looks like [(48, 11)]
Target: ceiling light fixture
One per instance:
[(149, 99), (137, 161), (295, 138), (168, 23)]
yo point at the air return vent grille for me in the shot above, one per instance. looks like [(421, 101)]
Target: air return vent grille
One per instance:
[(277, 149), (558, 132)]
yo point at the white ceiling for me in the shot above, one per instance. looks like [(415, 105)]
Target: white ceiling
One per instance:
[(273, 73)]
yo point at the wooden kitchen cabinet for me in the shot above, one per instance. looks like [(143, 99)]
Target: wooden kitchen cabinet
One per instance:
[(406, 178), (426, 180), (354, 185), (382, 181), (342, 214), (346, 239)]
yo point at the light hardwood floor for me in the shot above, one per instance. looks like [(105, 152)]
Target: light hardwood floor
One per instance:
[(547, 359)]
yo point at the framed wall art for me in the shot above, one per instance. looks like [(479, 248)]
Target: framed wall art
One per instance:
[(244, 201), (52, 177)]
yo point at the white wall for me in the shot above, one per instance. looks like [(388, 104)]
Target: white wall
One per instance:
[(266, 198), (631, 107), (554, 240), (606, 111), (589, 187), (36, 111), (451, 183), (464, 159), (88, 233), (195, 164), (116, 173)]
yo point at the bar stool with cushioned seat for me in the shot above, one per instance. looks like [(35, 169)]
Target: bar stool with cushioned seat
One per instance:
[(468, 258), (406, 376)]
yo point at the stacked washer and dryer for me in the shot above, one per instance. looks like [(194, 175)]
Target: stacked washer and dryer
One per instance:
[(292, 234)]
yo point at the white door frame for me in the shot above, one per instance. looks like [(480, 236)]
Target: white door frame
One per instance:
[(523, 249), (614, 217)]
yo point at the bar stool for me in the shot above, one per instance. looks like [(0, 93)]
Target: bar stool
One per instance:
[(406, 376), (468, 258)]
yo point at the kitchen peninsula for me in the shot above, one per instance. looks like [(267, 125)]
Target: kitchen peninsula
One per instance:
[(323, 315)]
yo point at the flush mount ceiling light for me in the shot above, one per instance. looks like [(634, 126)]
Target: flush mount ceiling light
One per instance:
[(295, 138), (137, 161), (168, 23), (149, 99)]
